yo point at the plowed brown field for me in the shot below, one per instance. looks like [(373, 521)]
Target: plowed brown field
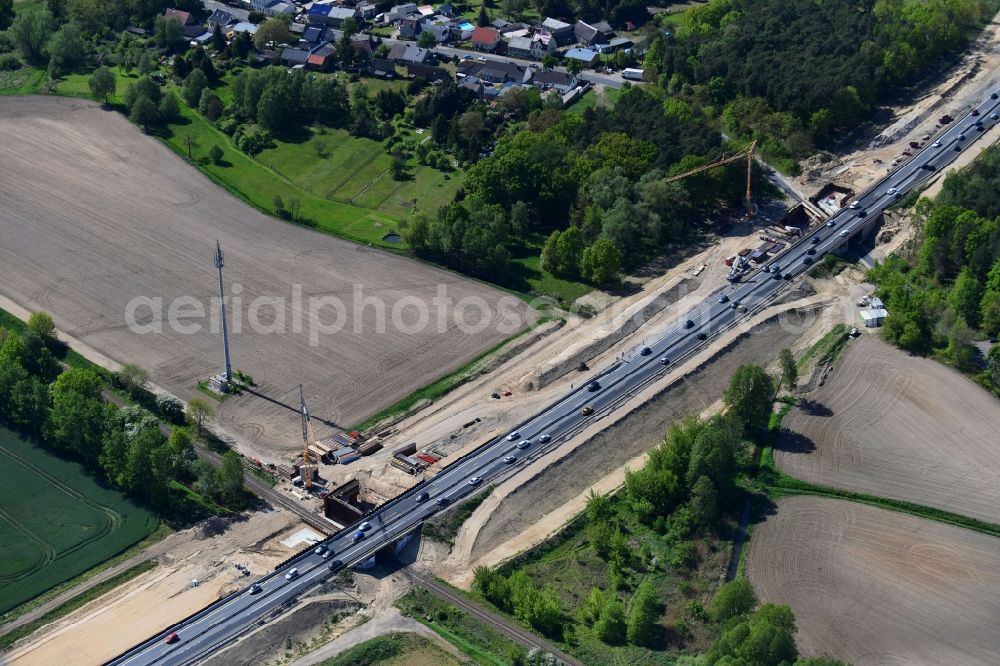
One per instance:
[(875, 587), (898, 426), (93, 213)]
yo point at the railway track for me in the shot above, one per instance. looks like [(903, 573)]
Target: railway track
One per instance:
[(522, 636)]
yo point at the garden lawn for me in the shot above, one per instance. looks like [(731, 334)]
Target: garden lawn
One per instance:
[(56, 521)]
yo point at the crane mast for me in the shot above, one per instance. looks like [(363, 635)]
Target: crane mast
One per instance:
[(308, 437), (743, 154)]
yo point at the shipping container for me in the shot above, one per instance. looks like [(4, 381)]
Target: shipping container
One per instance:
[(406, 449)]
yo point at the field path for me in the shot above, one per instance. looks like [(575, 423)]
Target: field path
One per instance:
[(875, 587)]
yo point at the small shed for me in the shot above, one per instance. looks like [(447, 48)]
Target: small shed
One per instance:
[(874, 318)]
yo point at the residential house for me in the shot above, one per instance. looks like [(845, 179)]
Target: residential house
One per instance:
[(560, 30), (485, 39), (292, 56), (425, 10), (313, 34), (616, 44), (221, 18), (321, 56), (272, 7), (519, 47), (409, 27), (383, 68), (588, 57), (262, 58), (548, 79), (500, 23), (367, 10), (586, 34), (605, 30), (297, 28), (330, 15), (404, 53), (462, 31), (182, 16), (446, 9), (427, 72), (399, 11), (440, 29), (495, 71), (532, 46), (472, 83), (365, 45), (242, 26), (192, 33)]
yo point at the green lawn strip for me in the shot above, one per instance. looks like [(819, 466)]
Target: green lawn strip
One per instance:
[(543, 283), (440, 386), (61, 351), (76, 602), (161, 532), (384, 649), (468, 634), (444, 527)]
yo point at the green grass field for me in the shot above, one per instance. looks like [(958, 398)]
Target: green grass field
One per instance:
[(55, 521)]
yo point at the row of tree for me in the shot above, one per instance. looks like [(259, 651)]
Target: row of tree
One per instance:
[(65, 411)]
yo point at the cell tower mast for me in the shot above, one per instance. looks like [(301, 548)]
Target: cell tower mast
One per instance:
[(227, 377)]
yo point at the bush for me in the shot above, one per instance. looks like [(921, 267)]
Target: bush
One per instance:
[(170, 408), (215, 153), (9, 62), (251, 139), (228, 125)]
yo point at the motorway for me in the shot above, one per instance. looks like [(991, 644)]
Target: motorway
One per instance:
[(227, 619)]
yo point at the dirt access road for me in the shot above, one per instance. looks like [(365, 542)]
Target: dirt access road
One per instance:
[(872, 586), (894, 425), (94, 214)]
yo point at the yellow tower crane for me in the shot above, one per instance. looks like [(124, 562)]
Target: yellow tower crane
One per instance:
[(743, 154), (308, 437)]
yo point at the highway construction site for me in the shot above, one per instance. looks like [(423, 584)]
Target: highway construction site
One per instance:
[(340, 475)]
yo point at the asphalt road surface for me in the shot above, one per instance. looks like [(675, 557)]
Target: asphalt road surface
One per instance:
[(227, 619)]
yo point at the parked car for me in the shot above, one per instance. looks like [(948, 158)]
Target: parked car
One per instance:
[(855, 332)]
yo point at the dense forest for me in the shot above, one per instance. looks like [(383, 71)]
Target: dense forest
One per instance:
[(63, 409), (945, 292), (800, 73), (592, 185)]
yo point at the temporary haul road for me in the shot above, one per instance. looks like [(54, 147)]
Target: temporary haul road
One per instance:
[(234, 615)]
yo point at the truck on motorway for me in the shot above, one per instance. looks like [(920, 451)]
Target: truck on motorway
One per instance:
[(632, 74)]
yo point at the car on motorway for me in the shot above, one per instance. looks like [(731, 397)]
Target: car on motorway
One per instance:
[(545, 438), (994, 116), (855, 205), (892, 190), (723, 299), (594, 386), (734, 305), (320, 549), (645, 351), (508, 459), (365, 526), (292, 574), (336, 564), (587, 411), (815, 239), (327, 554), (512, 436), (811, 250), (524, 443), (664, 360), (928, 167), (979, 127), (688, 323), (975, 112), (702, 336), (358, 536), (807, 260), (475, 481), (844, 232), (775, 268), (936, 144), (255, 588), (422, 497), (442, 501), (776, 276), (961, 137), (862, 214), (172, 638), (958, 148), (830, 223), (994, 96)]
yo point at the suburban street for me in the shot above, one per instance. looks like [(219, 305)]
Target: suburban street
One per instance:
[(600, 393)]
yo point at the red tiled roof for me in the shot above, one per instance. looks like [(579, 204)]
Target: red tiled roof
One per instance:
[(485, 35), (316, 59)]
